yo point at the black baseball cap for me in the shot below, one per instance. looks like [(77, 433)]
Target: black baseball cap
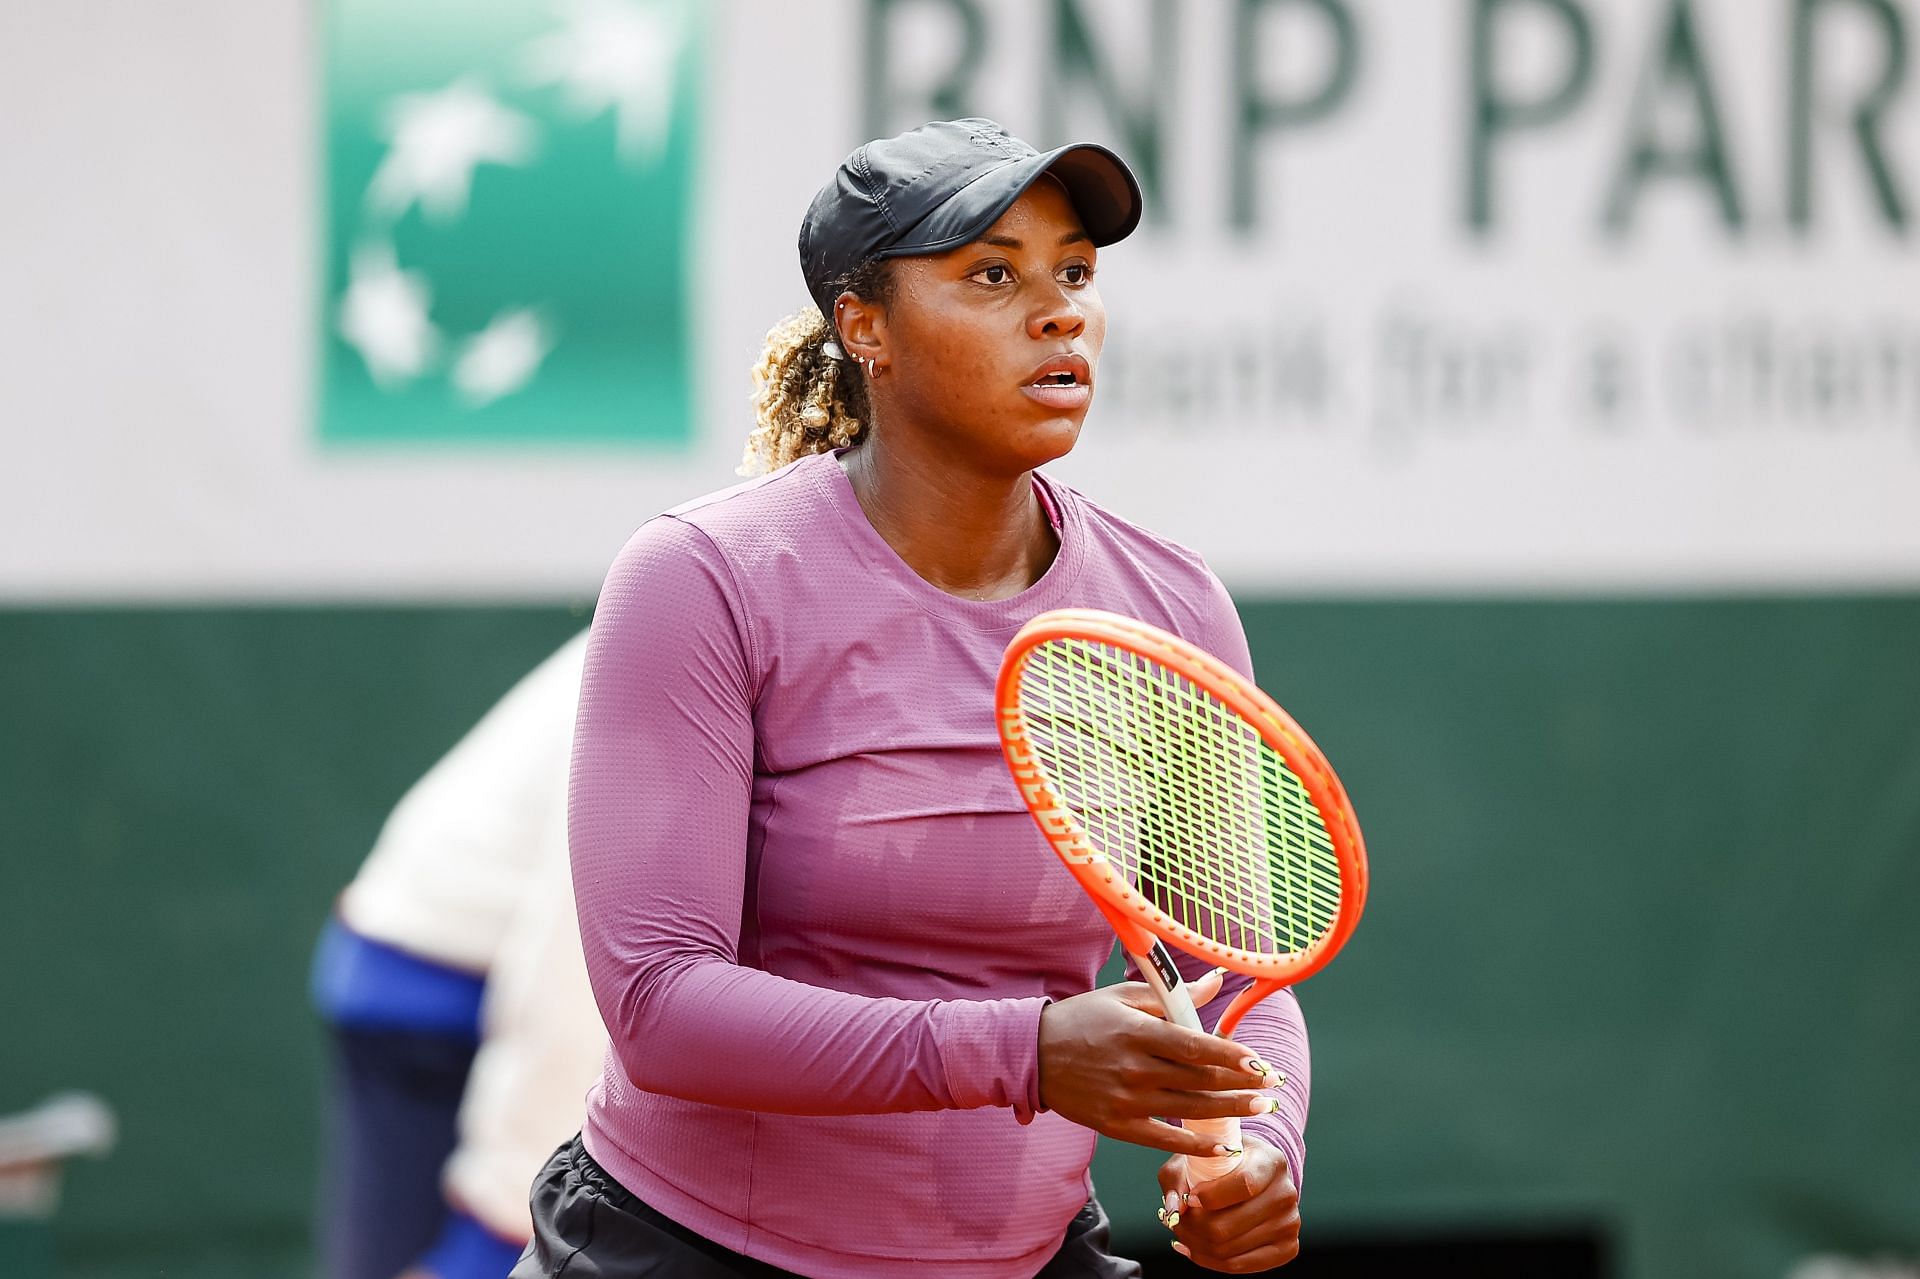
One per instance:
[(942, 185)]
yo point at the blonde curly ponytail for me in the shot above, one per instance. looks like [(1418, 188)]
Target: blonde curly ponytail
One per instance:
[(804, 400)]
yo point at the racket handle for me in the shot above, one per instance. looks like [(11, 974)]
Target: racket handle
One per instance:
[(1175, 1002), (1156, 966), (1227, 1133)]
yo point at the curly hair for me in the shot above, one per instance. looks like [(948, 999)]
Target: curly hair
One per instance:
[(805, 400)]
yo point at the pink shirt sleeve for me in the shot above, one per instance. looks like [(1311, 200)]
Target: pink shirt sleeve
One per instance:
[(660, 795)]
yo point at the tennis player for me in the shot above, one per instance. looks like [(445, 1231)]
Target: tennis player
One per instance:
[(846, 983)]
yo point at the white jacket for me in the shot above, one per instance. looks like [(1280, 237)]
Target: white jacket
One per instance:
[(471, 872)]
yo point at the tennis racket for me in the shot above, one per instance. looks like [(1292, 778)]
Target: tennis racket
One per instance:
[(1189, 806)]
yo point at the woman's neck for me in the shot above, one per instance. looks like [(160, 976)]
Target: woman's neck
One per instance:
[(974, 535)]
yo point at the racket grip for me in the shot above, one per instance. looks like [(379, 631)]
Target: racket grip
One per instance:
[(1157, 968), (1225, 1131)]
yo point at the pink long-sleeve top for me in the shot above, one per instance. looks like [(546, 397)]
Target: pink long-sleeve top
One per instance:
[(819, 923)]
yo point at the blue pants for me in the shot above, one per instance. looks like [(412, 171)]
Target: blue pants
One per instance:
[(403, 1032), (392, 1099)]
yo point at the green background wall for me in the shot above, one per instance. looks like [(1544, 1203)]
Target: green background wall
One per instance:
[(1641, 950)]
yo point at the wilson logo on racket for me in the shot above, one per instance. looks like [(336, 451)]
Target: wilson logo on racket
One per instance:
[(1191, 808), (1054, 819)]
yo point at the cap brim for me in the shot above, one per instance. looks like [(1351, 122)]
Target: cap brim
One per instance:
[(1102, 188)]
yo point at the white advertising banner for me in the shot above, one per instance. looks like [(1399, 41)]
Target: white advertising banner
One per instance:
[(1434, 295)]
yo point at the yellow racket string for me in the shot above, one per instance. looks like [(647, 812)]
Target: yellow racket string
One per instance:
[(1182, 795)]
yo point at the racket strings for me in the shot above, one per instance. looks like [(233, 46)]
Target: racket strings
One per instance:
[(1202, 816), (1140, 820)]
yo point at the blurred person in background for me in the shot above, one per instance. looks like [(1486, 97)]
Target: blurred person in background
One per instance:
[(464, 1035)]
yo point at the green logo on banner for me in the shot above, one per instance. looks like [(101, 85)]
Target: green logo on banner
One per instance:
[(508, 197)]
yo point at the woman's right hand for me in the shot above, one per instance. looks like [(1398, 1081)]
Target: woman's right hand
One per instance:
[(1110, 1062)]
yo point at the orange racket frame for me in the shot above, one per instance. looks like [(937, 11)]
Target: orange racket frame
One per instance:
[(1136, 920)]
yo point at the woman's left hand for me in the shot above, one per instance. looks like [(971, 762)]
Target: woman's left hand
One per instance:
[(1242, 1223)]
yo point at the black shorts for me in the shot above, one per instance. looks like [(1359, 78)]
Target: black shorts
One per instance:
[(586, 1225)]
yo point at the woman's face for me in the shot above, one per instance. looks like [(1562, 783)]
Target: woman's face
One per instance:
[(990, 349)]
